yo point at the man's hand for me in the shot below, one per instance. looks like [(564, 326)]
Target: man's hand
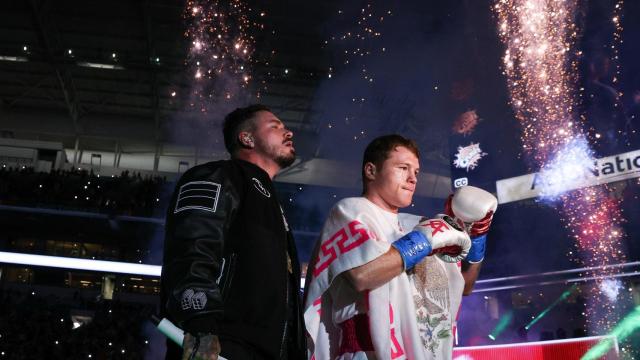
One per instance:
[(208, 348), (429, 235), (474, 208)]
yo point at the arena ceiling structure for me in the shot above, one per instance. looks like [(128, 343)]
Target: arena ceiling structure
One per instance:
[(110, 80)]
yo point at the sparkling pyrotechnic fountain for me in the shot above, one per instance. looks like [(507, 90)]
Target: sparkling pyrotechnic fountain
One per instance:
[(540, 64)]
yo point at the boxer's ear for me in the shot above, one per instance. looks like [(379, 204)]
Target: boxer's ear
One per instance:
[(370, 171)]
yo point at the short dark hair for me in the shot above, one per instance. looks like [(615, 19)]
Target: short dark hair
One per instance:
[(379, 149), (237, 121)]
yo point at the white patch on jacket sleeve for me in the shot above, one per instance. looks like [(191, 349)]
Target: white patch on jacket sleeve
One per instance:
[(193, 300), (198, 195), (199, 300), (186, 299)]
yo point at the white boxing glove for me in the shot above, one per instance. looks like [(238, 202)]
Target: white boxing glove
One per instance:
[(448, 240), (474, 207), (440, 235)]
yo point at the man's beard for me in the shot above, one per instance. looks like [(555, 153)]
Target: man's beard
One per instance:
[(285, 160)]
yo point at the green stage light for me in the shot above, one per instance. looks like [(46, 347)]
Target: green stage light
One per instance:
[(504, 321), (544, 312), (626, 327)]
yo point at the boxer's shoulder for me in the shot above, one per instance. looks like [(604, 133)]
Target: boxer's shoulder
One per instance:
[(351, 204), (348, 208)]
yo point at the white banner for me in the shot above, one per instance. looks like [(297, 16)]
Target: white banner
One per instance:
[(604, 170)]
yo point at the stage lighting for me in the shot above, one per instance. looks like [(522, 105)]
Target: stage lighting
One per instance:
[(624, 329), (504, 321), (80, 264), (562, 297)]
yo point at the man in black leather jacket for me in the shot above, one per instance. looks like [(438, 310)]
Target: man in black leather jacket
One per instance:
[(231, 276)]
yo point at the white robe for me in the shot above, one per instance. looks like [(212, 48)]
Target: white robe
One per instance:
[(355, 233), (437, 293)]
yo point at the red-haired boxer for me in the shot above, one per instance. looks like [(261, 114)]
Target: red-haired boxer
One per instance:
[(361, 295)]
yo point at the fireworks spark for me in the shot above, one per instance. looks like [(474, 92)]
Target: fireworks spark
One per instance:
[(354, 48), (362, 40), (221, 38), (540, 64), (541, 77), (571, 164), (617, 39), (611, 288)]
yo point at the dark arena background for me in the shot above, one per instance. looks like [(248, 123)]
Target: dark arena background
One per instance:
[(103, 104)]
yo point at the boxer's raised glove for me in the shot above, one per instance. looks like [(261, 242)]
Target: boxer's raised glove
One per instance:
[(473, 208), (431, 234)]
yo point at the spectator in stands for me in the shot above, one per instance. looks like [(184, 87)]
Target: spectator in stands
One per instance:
[(83, 190), (40, 327)]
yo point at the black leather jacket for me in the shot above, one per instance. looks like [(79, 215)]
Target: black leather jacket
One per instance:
[(225, 267)]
